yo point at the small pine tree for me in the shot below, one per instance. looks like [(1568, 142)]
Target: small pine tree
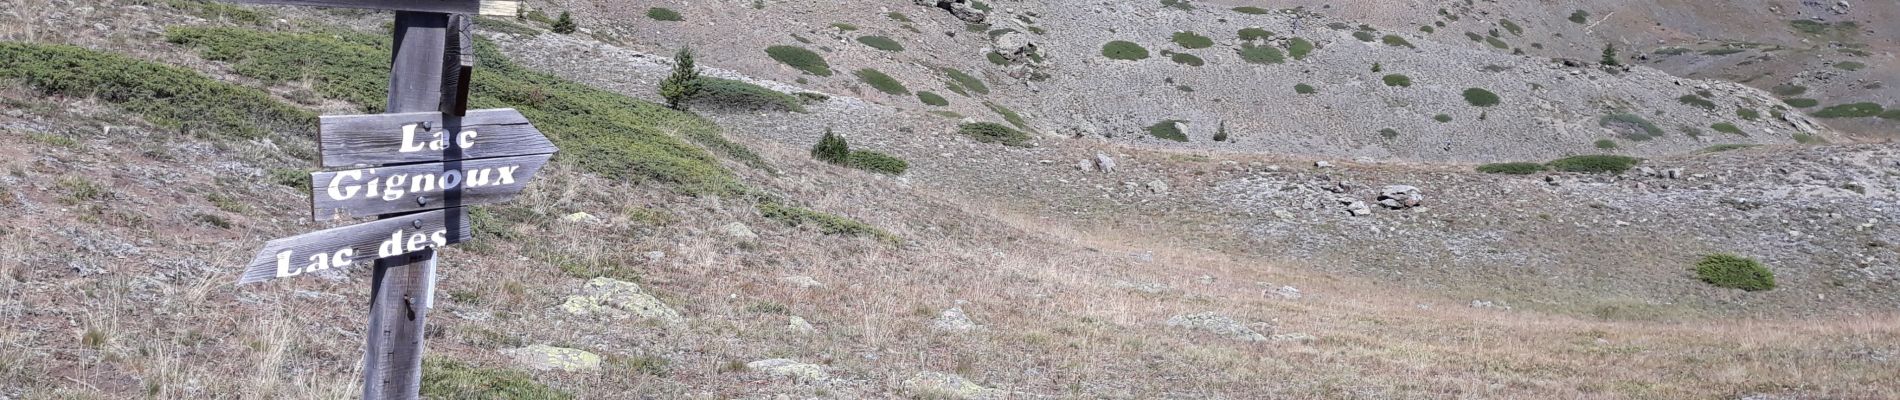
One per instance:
[(1220, 135), (565, 24), (1609, 55), (684, 83), (831, 148)]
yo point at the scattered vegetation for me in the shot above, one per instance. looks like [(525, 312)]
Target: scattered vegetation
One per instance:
[(990, 132), (881, 43), (1481, 98), (882, 82), (1697, 101), (170, 97), (1580, 16), (1191, 40), (831, 148), (1304, 89), (932, 99), (739, 94), (1787, 90), (1728, 128), (1251, 10), (1008, 115), (1364, 36), (1804, 138), (1606, 144), (1261, 54), (1398, 80), (662, 14), (1850, 65), (1169, 129), (1610, 164), (1735, 272), (1511, 26), (1254, 34), (1631, 126), (966, 81), (1748, 114), (1724, 147), (1512, 168), (1187, 59), (876, 162), (683, 83), (1441, 118), (800, 58), (1124, 50), (1802, 103), (1389, 133), (446, 379), (564, 25), (1395, 40), (1298, 48), (1852, 110)]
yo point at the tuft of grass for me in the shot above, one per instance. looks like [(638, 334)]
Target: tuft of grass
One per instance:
[(1389, 133), (1441, 118), (1697, 101), (1725, 127), (80, 190), (827, 223), (876, 162), (1191, 40), (990, 132), (844, 27), (1304, 89), (216, 11), (1804, 138), (1606, 144), (1748, 114), (1580, 16), (1481, 98), (1511, 26), (664, 14), (1169, 130), (1261, 54), (1631, 126), (1253, 34), (932, 99), (1397, 80), (170, 97), (1396, 41), (1251, 10), (1364, 36), (1595, 164), (739, 94), (966, 81), (882, 82), (1298, 48), (800, 58), (1735, 272), (1852, 110), (1187, 59), (1802, 103), (1497, 43), (1891, 114), (1512, 168), (1008, 115), (1124, 50), (1788, 90), (881, 43), (448, 379)]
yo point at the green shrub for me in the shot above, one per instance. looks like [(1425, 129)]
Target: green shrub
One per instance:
[(1261, 54), (1725, 127), (1169, 130), (1748, 114), (1512, 168), (1850, 65), (738, 94), (1511, 26), (881, 43), (1304, 89), (1364, 36), (1497, 43), (684, 83), (1124, 50), (1474, 37), (997, 58), (1396, 41), (1631, 126), (222, 12), (1191, 40), (1697, 101), (1251, 10), (843, 27), (1724, 147), (897, 16), (1787, 90), (1802, 103), (1254, 34), (1398, 80), (1389, 133), (876, 162), (1891, 114), (1427, 29), (1804, 138), (1220, 134), (1441, 118), (1008, 115), (1481, 98), (170, 97), (831, 148), (966, 81), (1298, 48), (664, 14), (1606, 144), (800, 58), (1735, 272), (1722, 52), (1595, 164), (1853, 110), (990, 132), (447, 379), (1187, 59), (564, 25), (883, 83), (827, 223), (932, 99), (1580, 16)]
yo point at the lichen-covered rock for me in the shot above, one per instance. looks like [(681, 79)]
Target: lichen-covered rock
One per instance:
[(954, 320), (549, 358), (941, 385), (1217, 324), (612, 298), (798, 325), (787, 368)]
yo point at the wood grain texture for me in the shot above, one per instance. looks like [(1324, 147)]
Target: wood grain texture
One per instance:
[(398, 314), (366, 140), (458, 66), (362, 239), (482, 7), (472, 190)]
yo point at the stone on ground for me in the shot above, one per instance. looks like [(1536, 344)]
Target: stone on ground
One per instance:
[(954, 320), (1217, 324), (787, 368), (937, 385), (543, 357), (612, 298)]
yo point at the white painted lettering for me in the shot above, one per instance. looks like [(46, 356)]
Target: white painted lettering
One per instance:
[(451, 180), (318, 262), (507, 174), (440, 238), (391, 247), (283, 265), (422, 183), (338, 191), (409, 144), (392, 187), (478, 178), (417, 242), (465, 140), (342, 257)]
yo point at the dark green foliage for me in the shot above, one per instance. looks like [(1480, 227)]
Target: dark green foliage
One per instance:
[(1192, 40), (1498, 43), (170, 97), (684, 83), (1735, 272), (1298, 48), (876, 162), (897, 16), (1124, 50), (844, 27), (1304, 89), (1725, 127), (1854, 110), (1481, 98), (1511, 26), (966, 81), (1169, 130), (447, 379), (932, 99), (1609, 56), (883, 83), (738, 94), (1220, 134), (800, 58), (1722, 52), (217, 11), (1396, 41), (827, 223), (663, 14), (1187, 59), (1253, 34), (1427, 29), (1512, 168), (1261, 54), (1748, 114), (1631, 126), (1183, 5), (1441, 118), (1808, 26), (1398, 80), (1364, 36), (990, 132), (1802, 103), (1891, 114), (564, 25), (831, 148), (881, 43), (1606, 144), (997, 58), (1697, 101), (1008, 115), (1250, 10), (1850, 65), (1595, 164), (1474, 37), (1580, 16), (1389, 133)]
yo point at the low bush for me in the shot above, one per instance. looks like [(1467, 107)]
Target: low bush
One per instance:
[(800, 58), (1397, 80), (1441, 118), (1511, 26), (990, 132), (719, 92), (1728, 128), (1735, 272), (932, 99), (1191, 40), (1891, 114), (1364, 36), (1748, 114), (1595, 164), (881, 43), (876, 162), (1251, 10), (1580, 16), (1724, 147), (1697, 101), (1853, 110), (1254, 34), (447, 379), (827, 223), (1261, 54), (1304, 89), (1169, 130), (1789, 90), (831, 148), (1187, 59), (1631, 126), (1389, 133), (1396, 41), (1512, 168), (664, 14), (966, 81), (170, 97), (1008, 115), (564, 25), (882, 82), (1802, 103), (1606, 144), (1298, 48), (1497, 43), (1124, 50), (1850, 65), (1481, 98)]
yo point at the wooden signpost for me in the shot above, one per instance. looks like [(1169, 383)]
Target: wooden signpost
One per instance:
[(416, 168)]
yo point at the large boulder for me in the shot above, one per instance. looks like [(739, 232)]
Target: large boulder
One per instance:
[(1399, 197), (962, 9), (1015, 46), (612, 298)]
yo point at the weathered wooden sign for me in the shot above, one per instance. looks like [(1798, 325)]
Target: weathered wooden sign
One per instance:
[(387, 190), (383, 139), (479, 7), (346, 246)]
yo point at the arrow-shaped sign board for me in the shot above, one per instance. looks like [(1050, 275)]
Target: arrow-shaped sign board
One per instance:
[(407, 138), (344, 246), (419, 187), (481, 7)]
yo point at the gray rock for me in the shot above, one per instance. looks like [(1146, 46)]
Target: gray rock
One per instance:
[(542, 357), (798, 324), (803, 282), (580, 218), (1401, 197), (954, 320), (1104, 163), (612, 298), (738, 230), (1157, 187), (787, 368), (1322, 164), (1217, 324)]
